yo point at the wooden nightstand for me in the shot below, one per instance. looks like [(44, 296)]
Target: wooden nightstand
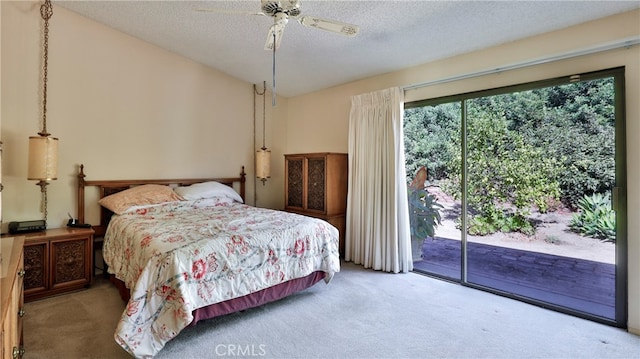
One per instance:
[(57, 261)]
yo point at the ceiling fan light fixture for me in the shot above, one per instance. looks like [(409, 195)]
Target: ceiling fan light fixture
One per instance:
[(294, 12), (289, 7), (270, 7)]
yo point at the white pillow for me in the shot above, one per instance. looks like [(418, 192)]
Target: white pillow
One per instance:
[(207, 190)]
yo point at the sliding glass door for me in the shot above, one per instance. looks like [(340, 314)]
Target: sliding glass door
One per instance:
[(535, 175), (432, 138)]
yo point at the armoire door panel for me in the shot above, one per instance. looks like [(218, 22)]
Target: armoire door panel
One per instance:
[(316, 184), (295, 182)]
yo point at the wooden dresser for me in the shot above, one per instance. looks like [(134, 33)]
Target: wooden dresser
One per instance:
[(316, 186), (11, 296), (57, 261)]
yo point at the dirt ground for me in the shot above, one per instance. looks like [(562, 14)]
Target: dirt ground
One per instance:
[(552, 235)]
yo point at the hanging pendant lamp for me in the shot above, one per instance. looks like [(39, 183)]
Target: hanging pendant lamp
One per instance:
[(43, 149)]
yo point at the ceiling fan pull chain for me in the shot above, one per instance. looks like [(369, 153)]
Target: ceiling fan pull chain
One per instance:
[(273, 90)]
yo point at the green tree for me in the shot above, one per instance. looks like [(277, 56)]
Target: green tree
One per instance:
[(578, 129), (432, 139), (552, 142), (574, 123), (506, 176)]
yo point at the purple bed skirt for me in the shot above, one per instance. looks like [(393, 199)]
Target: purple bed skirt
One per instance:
[(258, 298)]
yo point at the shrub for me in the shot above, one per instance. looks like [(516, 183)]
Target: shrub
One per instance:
[(424, 209), (499, 221), (595, 218)]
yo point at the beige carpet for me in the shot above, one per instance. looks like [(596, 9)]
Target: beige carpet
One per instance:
[(75, 325), (360, 314)]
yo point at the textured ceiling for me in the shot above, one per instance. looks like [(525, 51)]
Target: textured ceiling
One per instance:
[(393, 34)]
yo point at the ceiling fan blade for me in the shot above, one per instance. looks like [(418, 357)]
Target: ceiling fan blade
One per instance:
[(278, 30), (330, 25)]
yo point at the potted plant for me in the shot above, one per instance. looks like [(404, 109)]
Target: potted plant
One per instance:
[(424, 213)]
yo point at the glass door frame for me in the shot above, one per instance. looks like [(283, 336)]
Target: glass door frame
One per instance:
[(619, 196)]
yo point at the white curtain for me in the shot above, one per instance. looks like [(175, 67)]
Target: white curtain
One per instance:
[(377, 233)]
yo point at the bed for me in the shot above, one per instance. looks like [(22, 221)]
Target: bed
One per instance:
[(184, 250)]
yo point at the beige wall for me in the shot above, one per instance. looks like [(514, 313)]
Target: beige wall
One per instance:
[(127, 109), (0, 119), (319, 121), (122, 107)]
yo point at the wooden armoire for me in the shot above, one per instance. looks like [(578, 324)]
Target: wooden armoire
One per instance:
[(316, 186)]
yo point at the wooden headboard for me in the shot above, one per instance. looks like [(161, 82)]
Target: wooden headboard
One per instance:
[(113, 186)]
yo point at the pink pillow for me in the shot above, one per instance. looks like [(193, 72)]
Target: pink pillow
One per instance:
[(142, 195)]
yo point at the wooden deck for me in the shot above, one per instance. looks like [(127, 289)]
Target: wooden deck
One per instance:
[(574, 283)]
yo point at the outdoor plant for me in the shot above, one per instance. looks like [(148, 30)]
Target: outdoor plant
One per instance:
[(424, 209), (424, 213), (595, 218)]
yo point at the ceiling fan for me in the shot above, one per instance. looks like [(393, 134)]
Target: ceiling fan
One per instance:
[(281, 12)]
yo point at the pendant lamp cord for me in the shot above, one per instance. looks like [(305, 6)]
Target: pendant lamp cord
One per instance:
[(264, 91), (273, 92), (46, 11)]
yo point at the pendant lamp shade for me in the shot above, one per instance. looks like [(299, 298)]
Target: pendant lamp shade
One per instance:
[(263, 164), (43, 158)]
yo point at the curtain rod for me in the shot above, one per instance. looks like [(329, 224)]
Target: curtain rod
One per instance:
[(626, 42)]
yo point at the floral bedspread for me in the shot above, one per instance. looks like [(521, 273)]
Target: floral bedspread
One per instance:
[(180, 256)]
